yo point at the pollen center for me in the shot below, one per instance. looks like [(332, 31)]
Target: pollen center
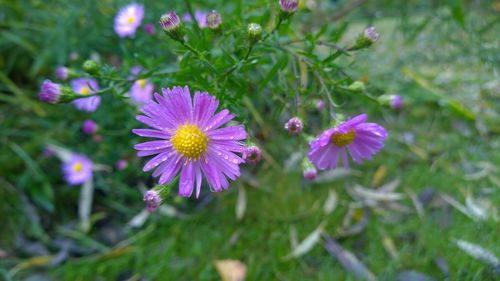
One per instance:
[(131, 19), (343, 139), (190, 141), (85, 91), (141, 83), (77, 167)]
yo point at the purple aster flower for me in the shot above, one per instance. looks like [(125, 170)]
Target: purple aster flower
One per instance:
[(85, 86), (149, 29), (62, 73), (200, 16), (89, 127), (294, 126), (289, 6), (361, 139), (396, 102), (152, 199), (191, 141), (252, 154), (170, 22), (371, 34), (310, 174), (50, 92), (142, 91), (213, 20), (121, 164), (320, 105), (77, 170), (128, 19)]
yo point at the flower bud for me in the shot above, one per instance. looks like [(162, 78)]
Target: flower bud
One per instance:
[(288, 7), (172, 25), (51, 92), (252, 154), (396, 102), (357, 86), (366, 38), (214, 20), (254, 32), (91, 67), (320, 105), (121, 164), (62, 73), (308, 170), (149, 29), (89, 127), (294, 126), (155, 196)]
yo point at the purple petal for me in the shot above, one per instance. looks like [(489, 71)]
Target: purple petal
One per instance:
[(153, 145), (152, 133), (186, 181), (228, 133)]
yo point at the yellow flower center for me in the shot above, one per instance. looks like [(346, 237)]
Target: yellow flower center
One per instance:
[(131, 19), (190, 141), (141, 83), (77, 167), (85, 91), (343, 139)]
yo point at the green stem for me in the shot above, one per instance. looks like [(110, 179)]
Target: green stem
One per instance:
[(199, 55), (193, 18)]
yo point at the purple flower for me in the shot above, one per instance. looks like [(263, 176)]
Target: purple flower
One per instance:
[(62, 73), (213, 20), (149, 29), (289, 6), (252, 154), (371, 34), (152, 199), (294, 126), (48, 152), (85, 86), (310, 174), (170, 22), (89, 127), (142, 91), (121, 164), (50, 92), (128, 19), (191, 141), (320, 105), (200, 16), (77, 170), (361, 139), (396, 102)]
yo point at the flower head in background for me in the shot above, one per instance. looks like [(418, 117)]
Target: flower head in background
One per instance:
[(213, 20), (150, 29), (371, 34), (294, 126), (396, 102), (310, 173), (50, 92), (84, 87), (152, 199), (77, 169), (200, 17), (62, 73), (142, 91), (121, 164), (320, 105), (128, 19), (289, 6), (191, 140), (89, 127), (172, 25), (252, 154), (362, 140)]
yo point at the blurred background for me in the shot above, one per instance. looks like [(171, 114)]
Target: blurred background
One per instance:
[(424, 209)]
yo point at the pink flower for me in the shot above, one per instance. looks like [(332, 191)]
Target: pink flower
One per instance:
[(128, 19)]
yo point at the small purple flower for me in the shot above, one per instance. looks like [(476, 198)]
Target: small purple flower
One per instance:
[(62, 73), (310, 174), (77, 170), (170, 21), (200, 16), (361, 139), (294, 126), (252, 154), (149, 29), (213, 20), (136, 69), (89, 127), (289, 6), (396, 102), (48, 152), (371, 34), (128, 19), (320, 105), (121, 164), (192, 141), (84, 87), (50, 92), (152, 199), (142, 91)]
